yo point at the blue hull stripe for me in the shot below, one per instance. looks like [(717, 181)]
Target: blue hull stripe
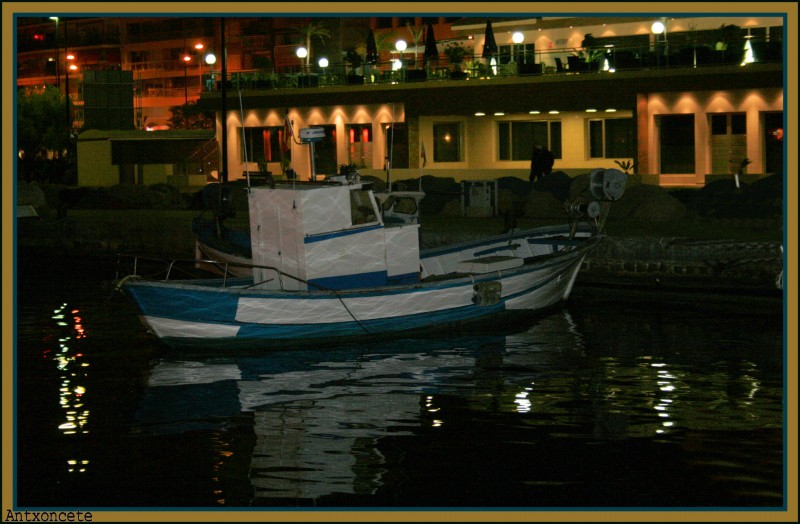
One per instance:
[(346, 232), (361, 280), (364, 280)]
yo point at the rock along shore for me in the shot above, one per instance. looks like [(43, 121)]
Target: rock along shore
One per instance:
[(659, 262)]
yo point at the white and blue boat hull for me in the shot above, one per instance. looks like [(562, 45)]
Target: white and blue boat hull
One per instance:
[(220, 313)]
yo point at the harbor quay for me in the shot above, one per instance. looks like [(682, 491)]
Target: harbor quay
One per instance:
[(751, 265)]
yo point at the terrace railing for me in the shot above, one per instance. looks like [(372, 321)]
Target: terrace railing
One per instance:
[(551, 61)]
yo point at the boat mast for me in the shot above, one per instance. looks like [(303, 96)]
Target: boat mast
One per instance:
[(389, 155), (244, 140), (223, 174)]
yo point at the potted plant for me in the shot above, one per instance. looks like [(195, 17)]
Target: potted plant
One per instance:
[(726, 46), (628, 166), (592, 52), (455, 54), (349, 172)]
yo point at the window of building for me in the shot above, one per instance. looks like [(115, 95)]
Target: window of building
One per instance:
[(325, 160), (772, 126), (397, 144), (611, 138), (728, 141), (676, 144), (447, 142), (263, 144), (516, 140), (359, 144), (518, 53)]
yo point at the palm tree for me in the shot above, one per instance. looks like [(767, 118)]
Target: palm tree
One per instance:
[(314, 29)]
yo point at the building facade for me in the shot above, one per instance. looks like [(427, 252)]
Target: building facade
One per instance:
[(679, 106)]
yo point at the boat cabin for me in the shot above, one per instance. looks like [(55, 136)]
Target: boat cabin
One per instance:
[(328, 236)]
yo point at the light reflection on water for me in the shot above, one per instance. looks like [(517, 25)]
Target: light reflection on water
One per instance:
[(603, 401)]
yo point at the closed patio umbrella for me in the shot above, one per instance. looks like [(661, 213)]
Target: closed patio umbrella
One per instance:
[(490, 48), (431, 52), (372, 49)]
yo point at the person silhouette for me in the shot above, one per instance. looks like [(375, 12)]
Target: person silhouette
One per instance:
[(537, 164)]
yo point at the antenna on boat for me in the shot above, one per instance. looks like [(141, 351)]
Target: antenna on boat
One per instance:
[(389, 155), (244, 141), (309, 136), (223, 168)]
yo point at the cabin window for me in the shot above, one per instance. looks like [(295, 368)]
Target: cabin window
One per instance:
[(362, 209)]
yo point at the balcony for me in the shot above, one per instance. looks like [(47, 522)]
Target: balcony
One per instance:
[(539, 63)]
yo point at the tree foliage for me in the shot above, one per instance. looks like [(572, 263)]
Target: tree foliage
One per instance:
[(189, 116), (44, 136), (315, 29), (42, 122)]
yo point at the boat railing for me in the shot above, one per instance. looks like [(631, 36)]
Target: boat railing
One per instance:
[(186, 268)]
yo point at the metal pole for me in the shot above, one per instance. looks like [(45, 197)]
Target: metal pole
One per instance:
[(58, 76), (66, 80), (223, 174)]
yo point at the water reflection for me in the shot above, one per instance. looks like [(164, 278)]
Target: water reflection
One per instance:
[(325, 422), (73, 370)]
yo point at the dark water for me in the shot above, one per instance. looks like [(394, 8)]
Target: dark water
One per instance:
[(619, 400)]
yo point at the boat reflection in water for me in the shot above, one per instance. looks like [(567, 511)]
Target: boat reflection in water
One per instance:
[(338, 422)]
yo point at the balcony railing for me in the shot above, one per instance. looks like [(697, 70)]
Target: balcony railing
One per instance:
[(551, 61), (201, 79)]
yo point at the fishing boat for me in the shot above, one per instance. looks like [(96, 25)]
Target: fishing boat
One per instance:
[(325, 267)]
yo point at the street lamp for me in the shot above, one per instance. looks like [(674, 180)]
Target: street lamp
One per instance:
[(211, 59), (186, 60), (517, 38), (401, 46), (302, 52), (323, 63), (69, 65), (660, 27), (198, 47), (58, 77)]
